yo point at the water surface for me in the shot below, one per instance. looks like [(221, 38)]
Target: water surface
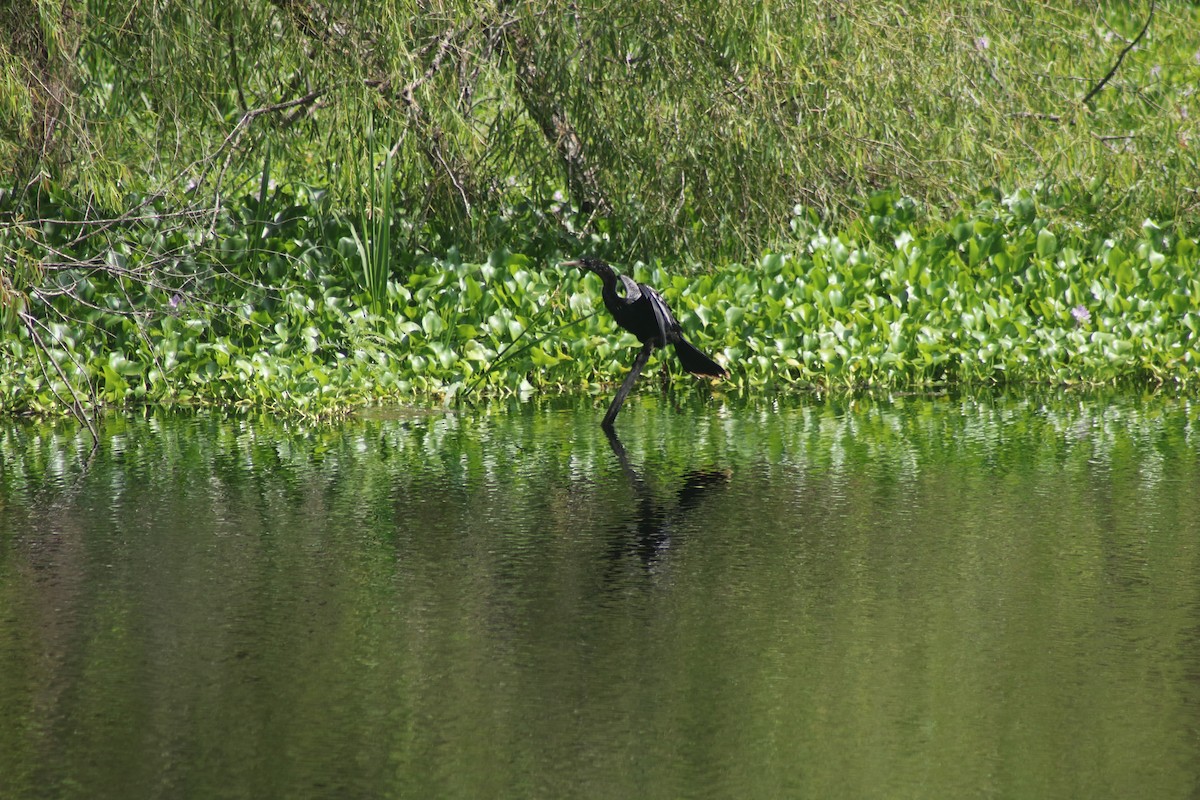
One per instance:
[(885, 597)]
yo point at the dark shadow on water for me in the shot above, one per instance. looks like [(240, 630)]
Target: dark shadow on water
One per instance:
[(655, 530)]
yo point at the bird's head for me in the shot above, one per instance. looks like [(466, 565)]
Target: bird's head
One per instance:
[(589, 264)]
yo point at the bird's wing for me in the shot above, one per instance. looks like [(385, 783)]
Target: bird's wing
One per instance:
[(633, 292), (662, 314)]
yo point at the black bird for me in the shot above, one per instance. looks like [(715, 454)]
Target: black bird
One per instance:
[(643, 312)]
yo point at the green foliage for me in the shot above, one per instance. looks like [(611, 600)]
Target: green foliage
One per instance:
[(992, 295), (373, 248), (697, 125), (267, 316)]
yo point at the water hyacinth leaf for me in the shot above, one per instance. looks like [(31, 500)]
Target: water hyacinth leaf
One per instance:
[(1047, 243), (772, 264), (124, 366), (114, 385), (432, 324), (541, 358), (312, 338), (443, 353), (475, 351), (405, 326), (580, 303), (472, 289)]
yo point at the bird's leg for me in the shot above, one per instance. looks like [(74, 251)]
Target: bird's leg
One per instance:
[(627, 385)]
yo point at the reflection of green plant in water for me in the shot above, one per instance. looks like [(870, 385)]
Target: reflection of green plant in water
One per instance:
[(875, 578), (895, 436)]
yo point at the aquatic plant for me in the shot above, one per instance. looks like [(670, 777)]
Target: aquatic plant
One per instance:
[(277, 316)]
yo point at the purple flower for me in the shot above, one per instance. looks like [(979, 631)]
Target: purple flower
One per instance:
[(176, 300), (982, 43), (1082, 315)]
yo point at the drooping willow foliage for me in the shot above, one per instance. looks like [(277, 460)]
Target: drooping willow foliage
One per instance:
[(666, 129)]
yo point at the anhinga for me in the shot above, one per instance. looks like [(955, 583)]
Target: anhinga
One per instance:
[(643, 312)]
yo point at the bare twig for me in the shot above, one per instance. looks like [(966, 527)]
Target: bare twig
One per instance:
[(186, 214), (1120, 57), (229, 144), (430, 133), (203, 163), (444, 41), (43, 353), (237, 72)]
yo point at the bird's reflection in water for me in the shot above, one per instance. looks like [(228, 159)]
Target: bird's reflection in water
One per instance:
[(654, 532)]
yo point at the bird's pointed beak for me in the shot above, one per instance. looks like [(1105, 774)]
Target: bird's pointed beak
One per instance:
[(573, 264)]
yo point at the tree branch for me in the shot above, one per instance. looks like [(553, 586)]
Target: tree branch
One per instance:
[(431, 135), (538, 97), (230, 142), (43, 353), (1120, 57)]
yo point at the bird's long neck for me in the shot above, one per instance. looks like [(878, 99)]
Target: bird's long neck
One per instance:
[(613, 300), (607, 276)]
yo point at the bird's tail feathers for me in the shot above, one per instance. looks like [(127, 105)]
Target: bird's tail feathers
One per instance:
[(695, 361)]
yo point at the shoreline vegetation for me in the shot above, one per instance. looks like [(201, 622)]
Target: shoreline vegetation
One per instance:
[(305, 208)]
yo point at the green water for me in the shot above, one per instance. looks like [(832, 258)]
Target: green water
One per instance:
[(901, 597)]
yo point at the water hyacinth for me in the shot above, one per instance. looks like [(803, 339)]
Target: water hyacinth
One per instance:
[(897, 300)]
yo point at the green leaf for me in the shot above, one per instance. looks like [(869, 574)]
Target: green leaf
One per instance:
[(1047, 243), (432, 324)]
